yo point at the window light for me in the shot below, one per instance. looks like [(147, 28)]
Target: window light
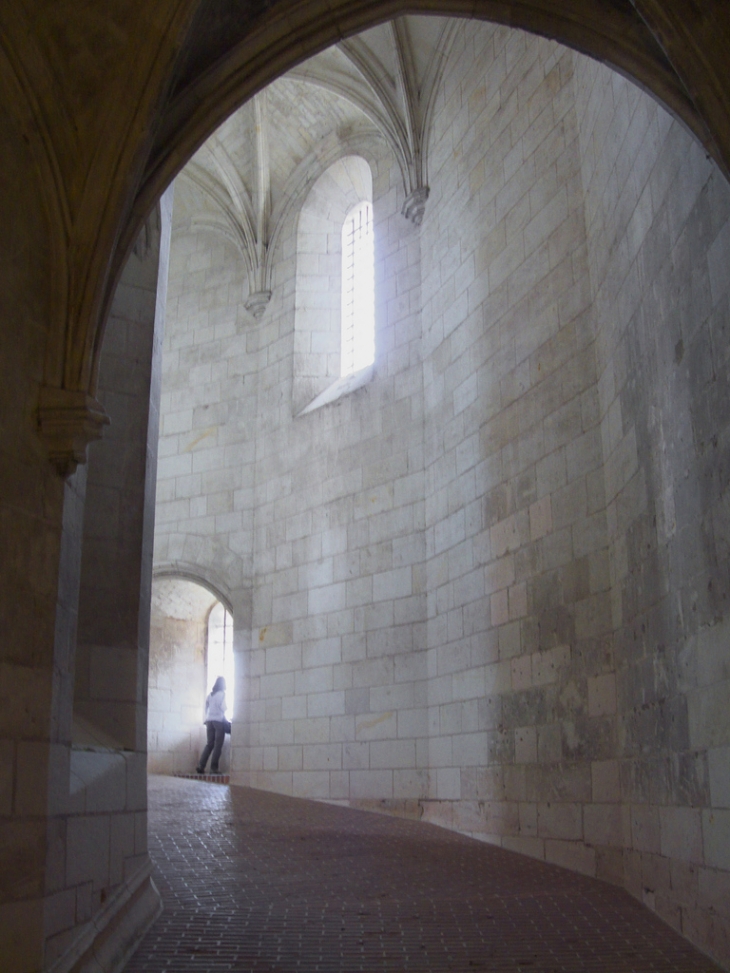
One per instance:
[(220, 653), (358, 286)]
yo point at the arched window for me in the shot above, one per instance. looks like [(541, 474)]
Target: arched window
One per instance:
[(357, 347), (220, 653), (334, 304)]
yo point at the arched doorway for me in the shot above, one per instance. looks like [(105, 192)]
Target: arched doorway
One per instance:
[(191, 644)]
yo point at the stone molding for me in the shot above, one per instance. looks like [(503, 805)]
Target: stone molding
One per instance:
[(414, 205), (111, 937), (343, 386), (68, 421), (257, 302)]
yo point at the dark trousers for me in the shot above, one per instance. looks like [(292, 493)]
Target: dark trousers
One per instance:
[(216, 736)]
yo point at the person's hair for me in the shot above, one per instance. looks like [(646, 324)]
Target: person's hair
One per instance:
[(219, 684)]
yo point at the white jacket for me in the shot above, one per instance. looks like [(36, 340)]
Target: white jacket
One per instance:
[(215, 707)]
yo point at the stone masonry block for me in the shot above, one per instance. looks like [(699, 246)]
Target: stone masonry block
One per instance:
[(602, 695), (376, 784), (526, 745), (606, 824), (719, 767), (558, 820), (541, 519), (499, 574), (521, 668), (709, 716), (681, 833), (606, 781), (716, 838), (499, 608), (572, 855), (87, 850)]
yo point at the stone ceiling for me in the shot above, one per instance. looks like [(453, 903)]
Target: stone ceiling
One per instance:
[(244, 180)]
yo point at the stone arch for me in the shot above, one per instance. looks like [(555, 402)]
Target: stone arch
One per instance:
[(677, 55), (634, 44), (194, 574), (180, 611)]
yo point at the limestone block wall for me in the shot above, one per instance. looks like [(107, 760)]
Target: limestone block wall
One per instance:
[(337, 678), (659, 253), (521, 692), (489, 587), (208, 404), (310, 527), (35, 643)]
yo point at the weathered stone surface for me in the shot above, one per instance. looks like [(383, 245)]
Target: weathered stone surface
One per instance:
[(554, 338)]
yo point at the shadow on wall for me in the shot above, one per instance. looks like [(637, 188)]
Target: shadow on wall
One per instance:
[(178, 676)]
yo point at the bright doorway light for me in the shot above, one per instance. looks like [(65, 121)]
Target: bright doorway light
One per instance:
[(220, 660)]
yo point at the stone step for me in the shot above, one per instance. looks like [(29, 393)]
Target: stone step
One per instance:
[(209, 778)]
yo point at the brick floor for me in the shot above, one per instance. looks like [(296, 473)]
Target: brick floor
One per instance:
[(258, 882)]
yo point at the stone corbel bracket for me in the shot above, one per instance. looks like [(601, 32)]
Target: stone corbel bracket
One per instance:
[(67, 422), (415, 205), (256, 303)]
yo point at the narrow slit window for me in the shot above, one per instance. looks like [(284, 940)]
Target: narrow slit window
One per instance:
[(358, 286)]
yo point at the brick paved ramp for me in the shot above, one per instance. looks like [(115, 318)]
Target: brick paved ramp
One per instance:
[(256, 881)]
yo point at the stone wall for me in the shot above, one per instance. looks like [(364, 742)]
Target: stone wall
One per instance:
[(33, 671), (520, 705), (488, 588), (334, 681), (99, 895), (337, 668), (659, 253)]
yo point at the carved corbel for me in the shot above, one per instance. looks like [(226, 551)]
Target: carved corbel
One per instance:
[(256, 303), (67, 422), (415, 205)]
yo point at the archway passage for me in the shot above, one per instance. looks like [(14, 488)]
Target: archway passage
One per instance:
[(190, 646), (274, 883), (459, 573)]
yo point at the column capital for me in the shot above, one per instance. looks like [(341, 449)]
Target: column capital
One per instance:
[(414, 205), (256, 303), (68, 421)]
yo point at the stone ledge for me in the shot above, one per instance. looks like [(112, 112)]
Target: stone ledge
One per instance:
[(343, 386), (68, 421)]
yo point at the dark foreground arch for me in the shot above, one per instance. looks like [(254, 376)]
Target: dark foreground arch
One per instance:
[(110, 126)]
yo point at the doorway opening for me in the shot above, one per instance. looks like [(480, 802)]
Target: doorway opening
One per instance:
[(191, 643)]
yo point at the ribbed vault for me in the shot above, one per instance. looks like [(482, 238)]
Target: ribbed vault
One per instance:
[(114, 101)]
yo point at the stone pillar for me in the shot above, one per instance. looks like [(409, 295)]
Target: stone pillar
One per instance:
[(99, 899), (40, 517), (113, 639)]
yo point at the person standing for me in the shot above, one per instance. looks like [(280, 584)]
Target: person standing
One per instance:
[(215, 722)]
